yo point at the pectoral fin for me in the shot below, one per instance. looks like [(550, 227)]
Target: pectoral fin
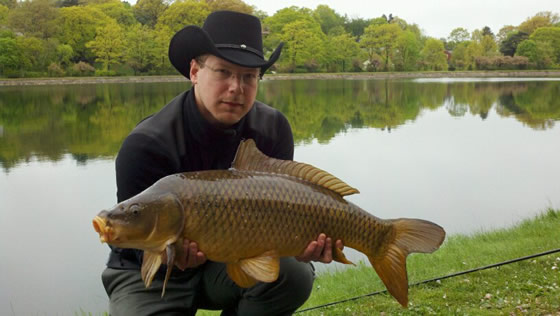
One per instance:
[(150, 266), (170, 249), (247, 272)]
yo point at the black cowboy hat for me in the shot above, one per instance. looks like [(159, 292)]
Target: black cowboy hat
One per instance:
[(233, 36)]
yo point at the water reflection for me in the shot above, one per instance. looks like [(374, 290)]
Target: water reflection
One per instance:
[(90, 121)]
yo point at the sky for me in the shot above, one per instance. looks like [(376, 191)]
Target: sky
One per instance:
[(437, 18)]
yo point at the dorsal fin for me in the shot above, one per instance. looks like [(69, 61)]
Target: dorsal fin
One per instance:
[(249, 157)]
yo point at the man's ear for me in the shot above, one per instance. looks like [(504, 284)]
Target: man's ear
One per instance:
[(194, 70)]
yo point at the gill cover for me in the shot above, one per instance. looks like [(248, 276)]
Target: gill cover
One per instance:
[(164, 238)]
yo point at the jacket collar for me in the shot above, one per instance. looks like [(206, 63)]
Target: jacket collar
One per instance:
[(205, 133)]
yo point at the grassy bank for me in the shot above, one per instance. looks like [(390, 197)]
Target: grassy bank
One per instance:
[(531, 286), (346, 75)]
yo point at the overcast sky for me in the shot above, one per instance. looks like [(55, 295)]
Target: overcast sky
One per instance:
[(435, 17)]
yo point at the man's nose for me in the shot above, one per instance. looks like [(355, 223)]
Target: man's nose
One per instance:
[(236, 82)]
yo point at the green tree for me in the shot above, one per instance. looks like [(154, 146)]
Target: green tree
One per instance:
[(381, 39), (34, 18), (327, 18), (10, 4), (407, 51), (343, 49), (433, 56), (540, 54), (509, 45), (108, 45), (489, 46), (122, 12), (78, 26), (32, 50), (504, 32), (147, 12), (486, 31), (3, 14), (231, 5), (457, 35), (304, 42), (541, 19), (10, 55), (64, 53), (140, 48), (460, 58), (274, 24), (548, 36), (162, 37), (473, 50), (356, 27), (180, 14), (283, 17)]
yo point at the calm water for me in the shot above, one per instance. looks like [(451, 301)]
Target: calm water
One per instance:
[(470, 155)]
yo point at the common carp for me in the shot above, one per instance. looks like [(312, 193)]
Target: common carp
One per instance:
[(259, 210)]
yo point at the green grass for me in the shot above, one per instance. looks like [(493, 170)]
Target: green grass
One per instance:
[(526, 287)]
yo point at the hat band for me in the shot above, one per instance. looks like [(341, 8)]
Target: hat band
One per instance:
[(241, 47)]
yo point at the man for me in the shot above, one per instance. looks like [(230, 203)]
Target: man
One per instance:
[(200, 130)]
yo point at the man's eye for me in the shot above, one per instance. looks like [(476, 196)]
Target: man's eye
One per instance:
[(224, 72)]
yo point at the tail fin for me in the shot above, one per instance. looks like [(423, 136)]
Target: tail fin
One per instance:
[(411, 235)]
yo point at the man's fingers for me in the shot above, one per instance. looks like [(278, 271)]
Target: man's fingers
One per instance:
[(192, 251), (200, 258), (320, 246), (306, 254), (339, 244), (309, 251), (327, 252)]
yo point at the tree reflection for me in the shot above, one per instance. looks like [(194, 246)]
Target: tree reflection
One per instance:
[(90, 121)]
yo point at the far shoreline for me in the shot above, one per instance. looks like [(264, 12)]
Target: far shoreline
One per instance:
[(289, 76)]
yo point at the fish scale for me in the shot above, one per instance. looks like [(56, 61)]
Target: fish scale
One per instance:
[(256, 212), (284, 207)]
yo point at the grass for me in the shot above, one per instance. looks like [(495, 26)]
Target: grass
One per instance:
[(526, 287)]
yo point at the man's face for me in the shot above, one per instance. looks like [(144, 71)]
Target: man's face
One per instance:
[(224, 92)]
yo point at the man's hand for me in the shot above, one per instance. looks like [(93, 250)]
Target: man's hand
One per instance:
[(192, 258), (320, 250)]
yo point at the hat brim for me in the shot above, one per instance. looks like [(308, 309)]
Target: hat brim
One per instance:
[(193, 41)]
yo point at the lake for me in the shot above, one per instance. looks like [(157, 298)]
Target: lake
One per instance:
[(468, 154)]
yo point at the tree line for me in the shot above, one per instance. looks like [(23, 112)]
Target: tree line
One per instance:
[(110, 37)]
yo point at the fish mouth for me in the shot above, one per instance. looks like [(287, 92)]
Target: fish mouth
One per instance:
[(104, 231)]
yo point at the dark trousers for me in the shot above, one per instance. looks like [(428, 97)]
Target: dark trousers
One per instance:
[(209, 288)]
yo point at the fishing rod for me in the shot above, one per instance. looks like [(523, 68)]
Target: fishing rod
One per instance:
[(435, 279)]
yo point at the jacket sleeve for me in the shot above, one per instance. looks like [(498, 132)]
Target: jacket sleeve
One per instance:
[(140, 163)]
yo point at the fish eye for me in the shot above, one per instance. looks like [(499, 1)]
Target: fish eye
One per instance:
[(134, 209)]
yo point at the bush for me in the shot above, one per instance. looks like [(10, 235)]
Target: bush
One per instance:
[(501, 63), (82, 69), (357, 65), (33, 74), (54, 70), (12, 73), (285, 68), (105, 73)]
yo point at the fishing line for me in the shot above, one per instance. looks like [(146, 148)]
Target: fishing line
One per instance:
[(435, 279)]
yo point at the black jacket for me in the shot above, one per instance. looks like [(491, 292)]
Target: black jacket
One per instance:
[(178, 139)]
